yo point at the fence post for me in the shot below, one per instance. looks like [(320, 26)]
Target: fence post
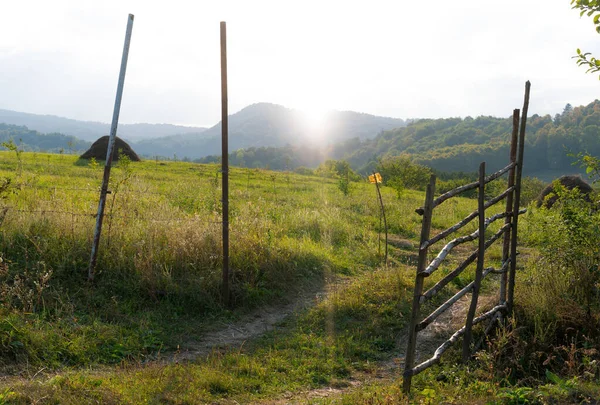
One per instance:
[(466, 354), (109, 150), (517, 202), (382, 213), (225, 164), (414, 319), (509, 203)]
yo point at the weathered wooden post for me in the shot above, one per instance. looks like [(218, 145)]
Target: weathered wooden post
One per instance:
[(509, 204), (110, 149), (376, 179), (466, 353), (414, 320), (225, 164), (517, 202)]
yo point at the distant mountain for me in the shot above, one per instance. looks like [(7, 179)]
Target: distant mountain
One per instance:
[(90, 131), (271, 125)]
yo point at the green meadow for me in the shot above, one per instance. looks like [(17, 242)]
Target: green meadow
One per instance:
[(157, 288)]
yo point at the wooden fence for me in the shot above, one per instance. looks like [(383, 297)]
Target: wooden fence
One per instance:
[(506, 271)]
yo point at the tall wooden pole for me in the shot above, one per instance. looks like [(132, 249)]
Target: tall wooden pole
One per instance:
[(109, 151), (509, 203), (517, 202), (225, 164)]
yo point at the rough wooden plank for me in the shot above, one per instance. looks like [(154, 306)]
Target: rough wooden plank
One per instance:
[(461, 267), (414, 319), (509, 202), (466, 355), (466, 187), (446, 305), (517, 202), (444, 346), (469, 218), (435, 263)]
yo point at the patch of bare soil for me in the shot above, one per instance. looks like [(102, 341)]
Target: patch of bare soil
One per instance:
[(401, 243), (233, 335), (428, 341)]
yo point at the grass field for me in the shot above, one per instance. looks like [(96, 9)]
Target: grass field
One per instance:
[(64, 340)]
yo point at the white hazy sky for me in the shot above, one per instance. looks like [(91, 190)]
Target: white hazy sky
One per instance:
[(401, 58)]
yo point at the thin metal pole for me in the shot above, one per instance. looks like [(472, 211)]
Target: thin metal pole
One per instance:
[(509, 203), (225, 164), (513, 246), (110, 149), (409, 361), (466, 354)]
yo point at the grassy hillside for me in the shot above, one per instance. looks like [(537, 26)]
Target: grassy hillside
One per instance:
[(63, 340), (160, 255), (158, 270)]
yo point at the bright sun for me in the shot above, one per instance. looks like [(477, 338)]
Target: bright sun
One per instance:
[(316, 123)]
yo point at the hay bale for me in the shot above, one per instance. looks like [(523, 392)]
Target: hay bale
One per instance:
[(548, 197), (99, 148)]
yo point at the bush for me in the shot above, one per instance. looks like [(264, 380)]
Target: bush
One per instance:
[(305, 171), (335, 169), (563, 282), (401, 172)]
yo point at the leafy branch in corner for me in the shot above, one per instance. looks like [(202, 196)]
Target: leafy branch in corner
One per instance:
[(590, 8)]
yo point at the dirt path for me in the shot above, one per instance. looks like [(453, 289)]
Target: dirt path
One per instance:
[(429, 340), (265, 319), (252, 325)]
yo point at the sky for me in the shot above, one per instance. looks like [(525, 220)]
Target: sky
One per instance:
[(400, 58)]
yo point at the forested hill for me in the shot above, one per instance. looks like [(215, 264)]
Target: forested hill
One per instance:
[(456, 144), (30, 140), (266, 125)]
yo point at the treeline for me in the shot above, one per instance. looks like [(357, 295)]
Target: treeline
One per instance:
[(29, 140), (457, 144), (283, 158)]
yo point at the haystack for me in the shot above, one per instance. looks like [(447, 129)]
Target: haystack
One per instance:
[(99, 148), (548, 197)]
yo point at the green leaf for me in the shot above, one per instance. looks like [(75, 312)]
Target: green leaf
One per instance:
[(588, 170), (553, 377)]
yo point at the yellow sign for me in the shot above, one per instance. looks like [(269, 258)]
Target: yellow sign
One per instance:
[(375, 178)]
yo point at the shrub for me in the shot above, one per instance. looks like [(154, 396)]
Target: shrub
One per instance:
[(563, 281), (401, 172), (305, 171)]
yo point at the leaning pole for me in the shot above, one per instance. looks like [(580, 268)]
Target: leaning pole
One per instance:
[(109, 150)]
